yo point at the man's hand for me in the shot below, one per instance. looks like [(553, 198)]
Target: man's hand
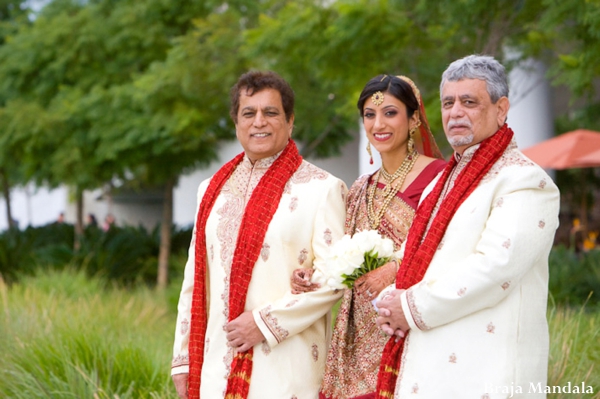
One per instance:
[(372, 283), (181, 384), (391, 319), (243, 333), (301, 281)]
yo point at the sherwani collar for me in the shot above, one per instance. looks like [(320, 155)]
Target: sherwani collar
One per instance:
[(260, 164), (467, 154)]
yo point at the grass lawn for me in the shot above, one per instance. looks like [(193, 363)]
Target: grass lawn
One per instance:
[(67, 336)]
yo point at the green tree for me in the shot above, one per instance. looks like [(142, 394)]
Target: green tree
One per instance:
[(170, 119), (67, 58), (568, 33), (328, 50), (12, 14), (137, 90)]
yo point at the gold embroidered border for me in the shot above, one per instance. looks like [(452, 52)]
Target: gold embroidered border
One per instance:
[(416, 315), (180, 360), (278, 332)]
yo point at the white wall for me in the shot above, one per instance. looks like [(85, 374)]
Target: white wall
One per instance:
[(530, 115), (185, 194), (34, 207), (345, 166)]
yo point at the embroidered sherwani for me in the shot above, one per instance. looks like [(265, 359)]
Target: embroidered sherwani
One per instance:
[(310, 217), (478, 318)]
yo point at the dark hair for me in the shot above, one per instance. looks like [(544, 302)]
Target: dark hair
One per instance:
[(255, 81), (393, 85)]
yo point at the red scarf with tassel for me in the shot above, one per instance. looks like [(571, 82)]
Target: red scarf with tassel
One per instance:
[(258, 214), (419, 251)]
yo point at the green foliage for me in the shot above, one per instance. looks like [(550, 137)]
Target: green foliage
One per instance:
[(330, 52), (74, 66), (172, 118), (575, 27), (19, 249), (68, 336), (139, 88), (574, 277), (372, 261), (574, 349), (26, 135), (12, 15), (124, 255), (565, 35), (585, 117)]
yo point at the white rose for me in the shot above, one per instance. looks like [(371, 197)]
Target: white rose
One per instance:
[(385, 248), (335, 283), (365, 240), (372, 241), (350, 262)]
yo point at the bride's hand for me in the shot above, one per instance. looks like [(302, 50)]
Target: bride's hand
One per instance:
[(301, 283), (372, 283)]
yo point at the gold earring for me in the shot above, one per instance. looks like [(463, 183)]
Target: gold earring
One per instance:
[(411, 133), (370, 154), (411, 141)]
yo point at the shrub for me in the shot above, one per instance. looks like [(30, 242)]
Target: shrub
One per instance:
[(574, 277), (124, 255)]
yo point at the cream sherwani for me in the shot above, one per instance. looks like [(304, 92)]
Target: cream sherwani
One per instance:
[(478, 318), (310, 217)]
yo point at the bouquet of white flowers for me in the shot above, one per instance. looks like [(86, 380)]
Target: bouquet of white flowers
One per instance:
[(354, 256)]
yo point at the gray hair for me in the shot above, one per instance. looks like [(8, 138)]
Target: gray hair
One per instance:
[(481, 67)]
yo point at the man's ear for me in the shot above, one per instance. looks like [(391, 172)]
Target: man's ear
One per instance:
[(503, 105), (291, 122)]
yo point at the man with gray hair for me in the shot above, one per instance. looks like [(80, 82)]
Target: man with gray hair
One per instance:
[(467, 314)]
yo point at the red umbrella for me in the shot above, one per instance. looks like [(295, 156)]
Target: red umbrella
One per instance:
[(570, 150), (577, 149), (590, 160)]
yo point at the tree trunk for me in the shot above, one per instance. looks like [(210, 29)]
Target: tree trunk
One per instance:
[(165, 236), (6, 192), (79, 220)]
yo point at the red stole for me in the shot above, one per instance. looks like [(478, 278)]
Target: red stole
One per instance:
[(422, 245), (258, 214)]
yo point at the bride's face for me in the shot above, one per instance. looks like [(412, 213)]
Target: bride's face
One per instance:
[(387, 125)]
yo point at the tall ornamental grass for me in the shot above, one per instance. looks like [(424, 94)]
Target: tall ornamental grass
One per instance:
[(574, 351), (64, 335)]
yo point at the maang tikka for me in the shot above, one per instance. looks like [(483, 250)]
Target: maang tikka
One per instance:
[(377, 98)]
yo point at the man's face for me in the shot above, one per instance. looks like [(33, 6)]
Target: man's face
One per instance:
[(468, 115), (261, 127)]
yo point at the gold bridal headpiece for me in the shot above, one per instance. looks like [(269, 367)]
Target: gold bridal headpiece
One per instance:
[(414, 87), (377, 98)]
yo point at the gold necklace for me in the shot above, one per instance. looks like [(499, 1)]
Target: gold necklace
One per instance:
[(390, 177), (390, 190)]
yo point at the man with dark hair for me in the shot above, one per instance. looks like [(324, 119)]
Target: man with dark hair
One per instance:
[(468, 312), (240, 331)]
